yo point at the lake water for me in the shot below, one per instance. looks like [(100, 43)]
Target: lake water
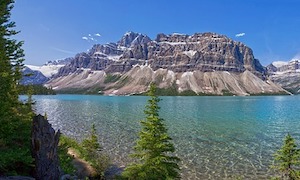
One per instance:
[(215, 137)]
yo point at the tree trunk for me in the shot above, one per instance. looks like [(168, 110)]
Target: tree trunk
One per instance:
[(44, 149)]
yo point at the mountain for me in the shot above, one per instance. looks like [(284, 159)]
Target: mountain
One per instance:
[(47, 70), (32, 77), (130, 39), (50, 68), (286, 74), (206, 63), (59, 61), (41, 74)]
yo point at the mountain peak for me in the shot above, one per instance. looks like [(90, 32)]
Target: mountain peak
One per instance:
[(132, 38), (131, 33), (181, 59)]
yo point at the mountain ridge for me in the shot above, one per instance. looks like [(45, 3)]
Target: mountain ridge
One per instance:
[(200, 54), (194, 54), (286, 74)]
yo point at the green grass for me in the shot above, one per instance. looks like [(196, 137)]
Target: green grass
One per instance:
[(92, 90), (66, 159), (110, 78), (226, 92), (122, 82), (269, 94), (188, 93), (99, 161), (172, 91)]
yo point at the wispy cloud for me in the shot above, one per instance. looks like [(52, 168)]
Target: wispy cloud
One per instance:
[(63, 50), (240, 34), (97, 34), (85, 38)]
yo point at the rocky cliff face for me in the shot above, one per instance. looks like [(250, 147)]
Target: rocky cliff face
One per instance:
[(205, 52), (286, 74), (202, 51), (59, 61), (199, 54), (132, 39)]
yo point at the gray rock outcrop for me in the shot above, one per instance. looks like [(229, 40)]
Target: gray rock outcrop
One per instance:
[(60, 61), (130, 39)]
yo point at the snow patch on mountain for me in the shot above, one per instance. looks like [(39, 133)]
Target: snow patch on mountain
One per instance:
[(279, 63), (47, 70), (190, 53)]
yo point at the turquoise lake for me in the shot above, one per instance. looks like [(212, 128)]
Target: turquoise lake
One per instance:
[(215, 137)]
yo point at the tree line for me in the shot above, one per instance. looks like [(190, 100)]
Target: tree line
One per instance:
[(35, 89)]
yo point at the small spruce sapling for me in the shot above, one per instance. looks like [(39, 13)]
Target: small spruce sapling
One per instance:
[(287, 159)]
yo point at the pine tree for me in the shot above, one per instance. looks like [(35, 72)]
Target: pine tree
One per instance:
[(287, 159), (91, 143), (15, 117), (11, 61), (92, 153), (153, 148)]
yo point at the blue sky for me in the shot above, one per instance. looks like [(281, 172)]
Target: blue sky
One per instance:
[(54, 29)]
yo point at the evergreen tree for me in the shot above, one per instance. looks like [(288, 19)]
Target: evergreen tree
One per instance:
[(287, 159), (15, 117), (91, 144), (92, 153), (11, 61), (153, 148)]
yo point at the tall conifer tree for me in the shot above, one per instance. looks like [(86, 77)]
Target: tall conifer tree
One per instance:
[(15, 117), (153, 148), (11, 61)]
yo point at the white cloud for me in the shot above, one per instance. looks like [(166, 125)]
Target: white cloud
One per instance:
[(240, 34), (91, 38)]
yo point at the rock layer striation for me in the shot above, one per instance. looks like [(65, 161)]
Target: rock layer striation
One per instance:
[(202, 62)]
